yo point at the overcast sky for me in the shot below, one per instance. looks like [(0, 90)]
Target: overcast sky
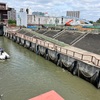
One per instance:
[(89, 9)]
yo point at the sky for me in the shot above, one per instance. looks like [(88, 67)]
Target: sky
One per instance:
[(89, 9)]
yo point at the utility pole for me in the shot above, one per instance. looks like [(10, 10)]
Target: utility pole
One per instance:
[(39, 23), (62, 22)]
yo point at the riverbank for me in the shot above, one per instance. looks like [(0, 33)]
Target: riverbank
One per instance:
[(78, 64)]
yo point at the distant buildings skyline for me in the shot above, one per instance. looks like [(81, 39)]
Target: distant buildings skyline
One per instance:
[(90, 10)]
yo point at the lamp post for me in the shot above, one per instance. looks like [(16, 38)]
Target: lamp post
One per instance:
[(39, 22), (56, 22), (62, 22)]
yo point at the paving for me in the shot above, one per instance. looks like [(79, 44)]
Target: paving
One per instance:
[(68, 37), (41, 31), (51, 33), (90, 43)]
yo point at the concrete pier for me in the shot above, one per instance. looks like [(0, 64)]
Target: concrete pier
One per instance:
[(84, 66)]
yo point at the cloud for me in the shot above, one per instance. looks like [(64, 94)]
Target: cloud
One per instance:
[(89, 9)]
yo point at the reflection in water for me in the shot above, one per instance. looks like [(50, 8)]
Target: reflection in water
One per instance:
[(26, 75)]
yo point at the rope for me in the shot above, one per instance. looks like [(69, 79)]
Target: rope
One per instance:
[(52, 57), (88, 76), (66, 65)]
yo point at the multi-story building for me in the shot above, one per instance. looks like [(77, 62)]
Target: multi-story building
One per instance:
[(21, 18), (3, 13), (11, 14), (73, 14)]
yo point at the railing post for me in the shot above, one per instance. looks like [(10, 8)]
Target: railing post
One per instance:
[(60, 49), (55, 48), (66, 51), (36, 41), (40, 42), (48, 45), (98, 62), (82, 57), (92, 59), (73, 54), (44, 43)]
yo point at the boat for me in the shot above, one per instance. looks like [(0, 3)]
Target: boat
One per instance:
[(3, 54), (51, 95)]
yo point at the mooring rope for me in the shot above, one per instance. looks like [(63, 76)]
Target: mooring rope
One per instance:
[(51, 57), (88, 76)]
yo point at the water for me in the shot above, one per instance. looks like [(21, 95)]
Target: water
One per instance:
[(26, 75)]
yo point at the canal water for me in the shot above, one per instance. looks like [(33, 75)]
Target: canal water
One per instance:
[(26, 75)]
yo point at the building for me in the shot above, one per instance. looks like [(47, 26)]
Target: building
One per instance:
[(11, 14), (38, 13), (3, 13), (21, 19), (50, 20), (73, 14)]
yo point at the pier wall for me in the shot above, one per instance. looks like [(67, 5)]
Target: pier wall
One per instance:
[(85, 66)]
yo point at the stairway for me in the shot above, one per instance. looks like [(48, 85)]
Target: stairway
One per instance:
[(46, 31), (58, 34), (79, 38)]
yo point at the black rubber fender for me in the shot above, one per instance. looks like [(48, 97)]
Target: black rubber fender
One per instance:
[(75, 68), (98, 81)]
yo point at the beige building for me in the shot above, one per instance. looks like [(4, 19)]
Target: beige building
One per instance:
[(36, 20)]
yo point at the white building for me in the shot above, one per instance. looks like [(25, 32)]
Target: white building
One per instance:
[(21, 19)]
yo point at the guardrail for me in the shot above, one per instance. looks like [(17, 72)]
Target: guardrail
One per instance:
[(80, 56), (87, 58)]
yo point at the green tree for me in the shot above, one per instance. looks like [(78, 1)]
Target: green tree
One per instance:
[(98, 21), (12, 22), (91, 22)]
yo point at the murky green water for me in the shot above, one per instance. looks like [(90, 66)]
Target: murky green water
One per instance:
[(26, 75)]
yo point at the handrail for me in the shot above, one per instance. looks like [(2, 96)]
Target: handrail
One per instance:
[(62, 50)]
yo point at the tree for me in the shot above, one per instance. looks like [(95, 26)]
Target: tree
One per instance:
[(91, 22), (98, 21), (12, 22)]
